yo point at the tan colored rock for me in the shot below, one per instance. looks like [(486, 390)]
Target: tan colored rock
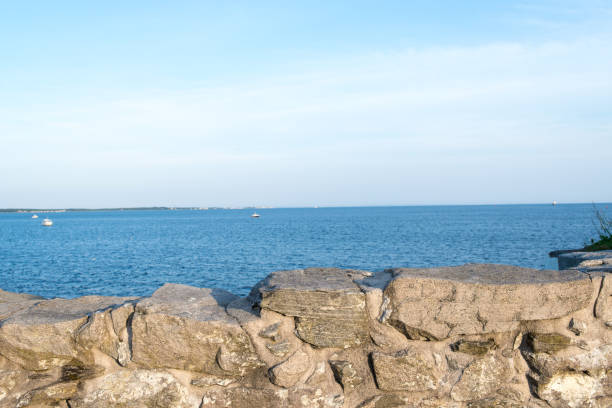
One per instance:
[(187, 328), (495, 402), (407, 370), (482, 378), (48, 396), (245, 397), (345, 374), (8, 309), (475, 348), (8, 297), (387, 337), (107, 331), (548, 342), (570, 389), (595, 360), (10, 380), (292, 370), (329, 308), (137, 389), (437, 303), (43, 335), (271, 332), (210, 380), (279, 349)]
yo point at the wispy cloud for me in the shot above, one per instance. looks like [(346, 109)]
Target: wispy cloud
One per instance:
[(413, 112)]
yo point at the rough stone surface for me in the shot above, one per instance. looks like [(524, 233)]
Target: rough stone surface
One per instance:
[(438, 303), (43, 335), (289, 372), (6, 297), (271, 332), (138, 389), (481, 378), (187, 328), (279, 349), (462, 337), (548, 342), (345, 374), (476, 348), (329, 308), (570, 389), (406, 370)]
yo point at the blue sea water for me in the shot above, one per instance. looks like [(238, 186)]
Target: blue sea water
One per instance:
[(134, 252)]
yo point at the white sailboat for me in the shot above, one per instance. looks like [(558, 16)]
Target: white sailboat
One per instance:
[(47, 222)]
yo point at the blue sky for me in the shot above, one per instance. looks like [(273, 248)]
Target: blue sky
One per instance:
[(317, 103)]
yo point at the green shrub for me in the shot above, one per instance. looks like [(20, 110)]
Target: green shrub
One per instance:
[(603, 224)]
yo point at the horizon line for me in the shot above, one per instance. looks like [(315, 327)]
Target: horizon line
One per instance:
[(263, 207)]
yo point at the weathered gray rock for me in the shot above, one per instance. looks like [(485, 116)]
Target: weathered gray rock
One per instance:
[(437, 303), (548, 342), (406, 370), (43, 335), (271, 332), (107, 331), (279, 349), (48, 396), (290, 371), (137, 389), (245, 397), (584, 259), (547, 365), (475, 348), (248, 397), (345, 374), (481, 378), (7, 297), (188, 328), (329, 308), (197, 347)]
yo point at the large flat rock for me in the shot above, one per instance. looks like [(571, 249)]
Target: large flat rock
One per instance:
[(585, 259), (43, 334), (6, 297), (187, 328), (329, 308), (437, 303), (135, 388)]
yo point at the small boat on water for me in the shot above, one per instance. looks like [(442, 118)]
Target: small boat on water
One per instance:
[(255, 215), (35, 216), (47, 222)]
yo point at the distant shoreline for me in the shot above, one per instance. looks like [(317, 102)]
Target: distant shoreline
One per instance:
[(62, 210), (50, 210)]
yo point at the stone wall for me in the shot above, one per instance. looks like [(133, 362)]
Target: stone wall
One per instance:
[(473, 336)]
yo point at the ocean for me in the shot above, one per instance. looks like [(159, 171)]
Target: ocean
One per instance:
[(132, 253)]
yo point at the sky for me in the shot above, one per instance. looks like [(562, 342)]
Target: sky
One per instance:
[(329, 103)]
